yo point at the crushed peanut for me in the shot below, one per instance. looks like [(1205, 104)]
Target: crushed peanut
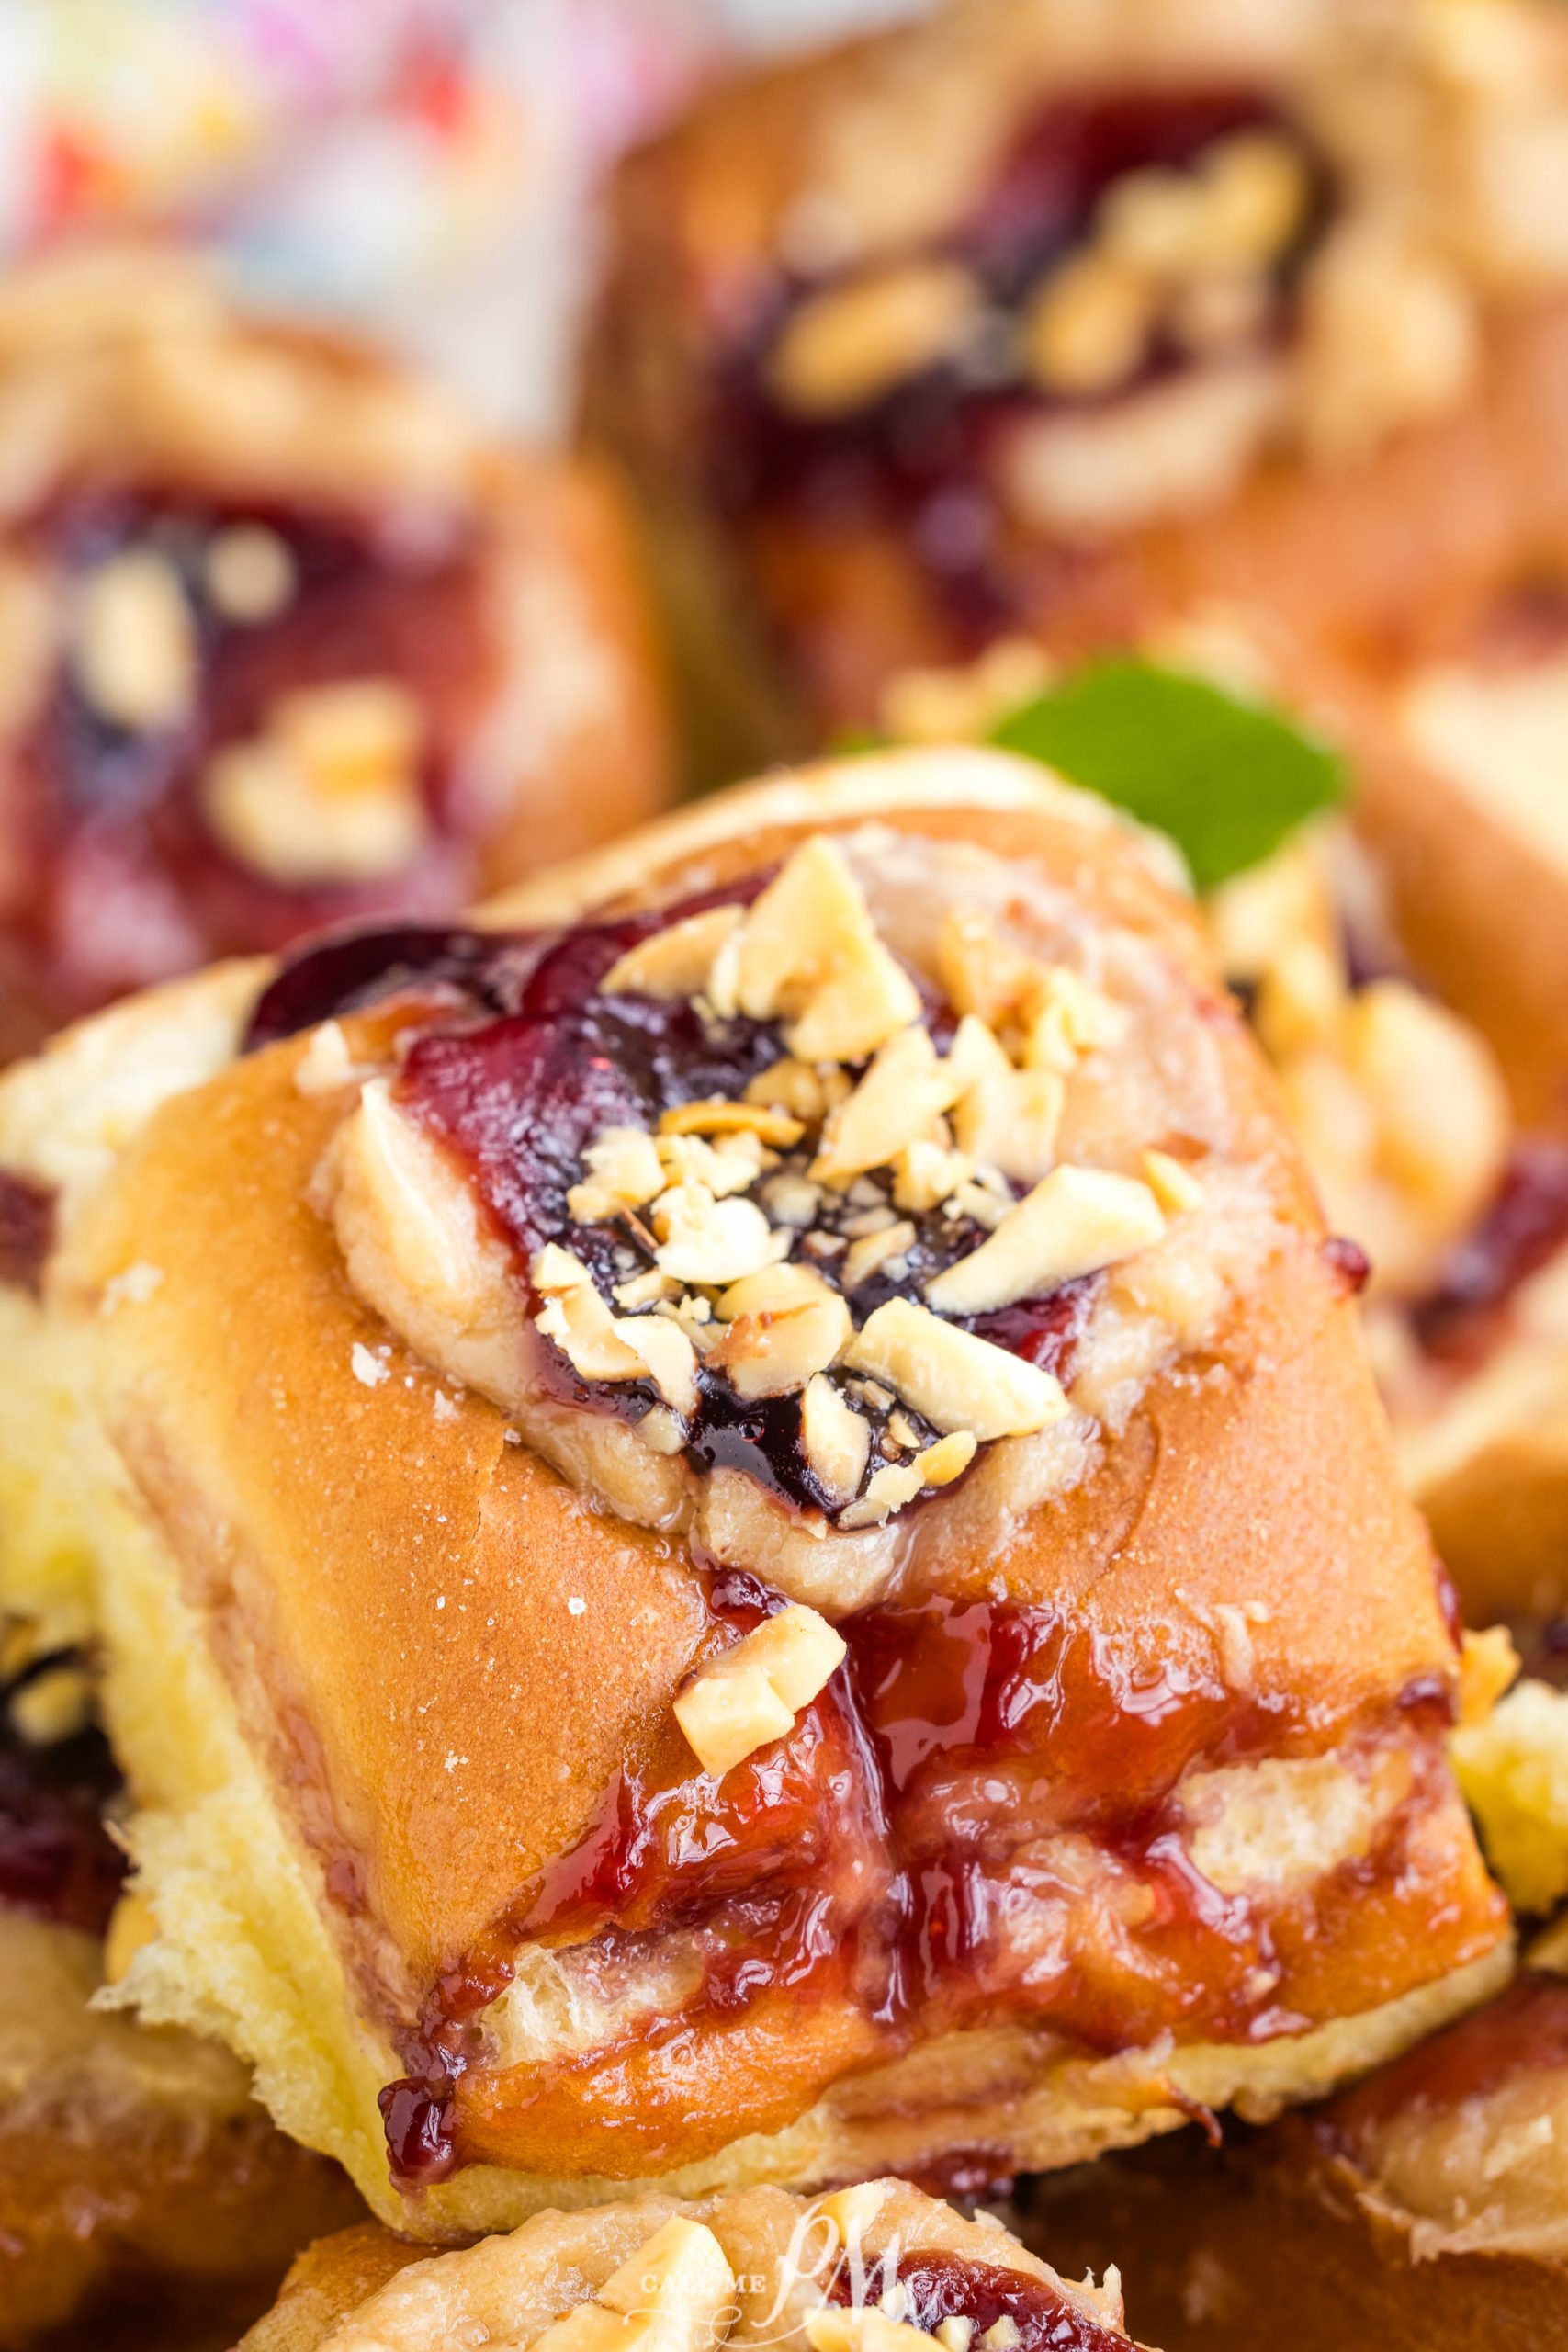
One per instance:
[(846, 348), (752, 1694), (1076, 1221), (897, 1483), (835, 1439), (708, 1241), (953, 1378), (784, 1326), (676, 962), (134, 642)]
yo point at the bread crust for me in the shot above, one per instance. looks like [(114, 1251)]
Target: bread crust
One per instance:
[(384, 1755)]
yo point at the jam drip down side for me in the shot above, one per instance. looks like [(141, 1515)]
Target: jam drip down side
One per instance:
[(913, 1858), (916, 454), (130, 865), (57, 1860)]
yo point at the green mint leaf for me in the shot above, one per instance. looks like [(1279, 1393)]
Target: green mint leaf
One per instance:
[(1226, 778)]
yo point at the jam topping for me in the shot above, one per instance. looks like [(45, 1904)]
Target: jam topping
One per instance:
[(1526, 1225), (927, 2288), (1125, 239), (27, 1231), (257, 726), (57, 1858)]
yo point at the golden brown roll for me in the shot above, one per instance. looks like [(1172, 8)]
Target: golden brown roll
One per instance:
[(1031, 321), (138, 2178), (1426, 2212), (762, 2268), (288, 640), (739, 1521)]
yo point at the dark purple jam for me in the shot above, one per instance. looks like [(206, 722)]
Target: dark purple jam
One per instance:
[(57, 1858), (119, 879), (919, 458), (27, 1231), (935, 2287), (1525, 1226)]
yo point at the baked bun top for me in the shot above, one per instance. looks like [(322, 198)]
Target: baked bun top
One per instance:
[(764, 2269), (288, 639), (772, 1461)]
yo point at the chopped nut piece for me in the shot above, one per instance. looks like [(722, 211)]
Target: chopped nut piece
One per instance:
[(791, 1199), (982, 974), (898, 1483), (1157, 222), (907, 1087), (733, 1166), (793, 1087), (667, 1354), (953, 1379), (1087, 328), (671, 2296), (924, 1175), (708, 1241), (848, 347), (1173, 1184), (840, 2328), (785, 1325), (809, 953), (577, 1320), (674, 962), (739, 1702), (986, 1207), (331, 792), (875, 1250), (625, 1170), (135, 648), (1072, 1018), (645, 1290), (1256, 190), (852, 2211), (1073, 1222), (1004, 1118), (326, 1066), (1300, 997), (661, 1430), (717, 1116), (835, 1439), (250, 573)]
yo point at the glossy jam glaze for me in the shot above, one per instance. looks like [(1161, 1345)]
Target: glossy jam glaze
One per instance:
[(913, 1856), (918, 459), (1523, 2033), (57, 1860), (115, 878), (518, 1065), (1525, 1226), (932, 2287)]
